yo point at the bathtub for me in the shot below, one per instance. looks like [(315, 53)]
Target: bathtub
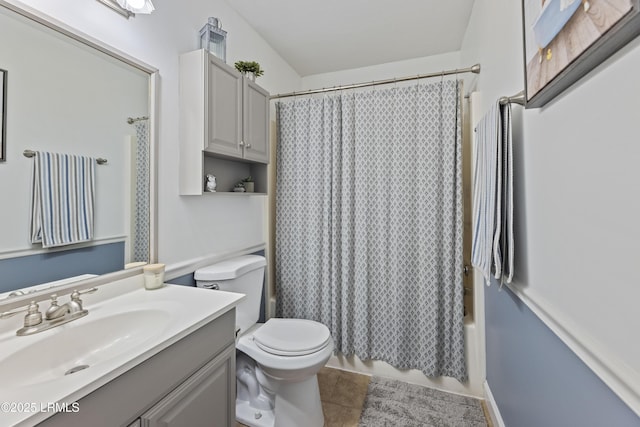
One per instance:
[(474, 354), (474, 349), (552, 19)]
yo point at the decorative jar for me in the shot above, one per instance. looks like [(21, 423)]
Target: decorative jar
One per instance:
[(214, 38)]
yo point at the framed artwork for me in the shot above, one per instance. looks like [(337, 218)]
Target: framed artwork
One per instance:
[(565, 39), (3, 114)]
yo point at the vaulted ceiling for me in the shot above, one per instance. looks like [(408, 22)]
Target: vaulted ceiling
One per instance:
[(318, 36)]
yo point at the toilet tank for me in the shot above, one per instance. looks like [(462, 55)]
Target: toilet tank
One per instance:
[(244, 275)]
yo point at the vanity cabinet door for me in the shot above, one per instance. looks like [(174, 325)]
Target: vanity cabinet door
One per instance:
[(255, 122), (206, 399)]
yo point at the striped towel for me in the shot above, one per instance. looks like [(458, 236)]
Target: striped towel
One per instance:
[(62, 199), (485, 166), (493, 243)]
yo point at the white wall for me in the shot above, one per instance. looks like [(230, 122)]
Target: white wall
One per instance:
[(388, 70), (577, 205), (189, 227)]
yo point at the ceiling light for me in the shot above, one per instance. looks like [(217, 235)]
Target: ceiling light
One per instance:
[(129, 8), (136, 6)]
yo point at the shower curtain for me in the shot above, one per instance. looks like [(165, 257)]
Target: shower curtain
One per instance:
[(369, 223), (141, 199)]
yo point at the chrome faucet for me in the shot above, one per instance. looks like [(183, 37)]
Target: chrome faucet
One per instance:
[(56, 311), (54, 316)]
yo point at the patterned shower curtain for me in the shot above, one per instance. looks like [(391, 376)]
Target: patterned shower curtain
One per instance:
[(369, 223), (141, 206)]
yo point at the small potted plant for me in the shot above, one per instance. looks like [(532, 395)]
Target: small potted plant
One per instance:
[(248, 184), (251, 69)]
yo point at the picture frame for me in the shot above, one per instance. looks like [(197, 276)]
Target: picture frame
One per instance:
[(3, 114), (565, 39)]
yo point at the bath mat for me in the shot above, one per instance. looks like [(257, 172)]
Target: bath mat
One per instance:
[(395, 403)]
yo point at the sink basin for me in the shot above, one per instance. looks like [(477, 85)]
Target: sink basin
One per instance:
[(80, 345), (126, 325)]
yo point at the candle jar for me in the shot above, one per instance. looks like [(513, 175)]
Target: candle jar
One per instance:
[(153, 276)]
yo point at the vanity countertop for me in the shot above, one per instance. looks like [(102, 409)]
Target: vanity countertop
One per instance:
[(125, 326)]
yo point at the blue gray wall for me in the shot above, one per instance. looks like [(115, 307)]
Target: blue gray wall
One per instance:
[(536, 379), (20, 272)]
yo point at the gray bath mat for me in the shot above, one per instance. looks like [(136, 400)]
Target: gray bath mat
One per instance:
[(395, 403)]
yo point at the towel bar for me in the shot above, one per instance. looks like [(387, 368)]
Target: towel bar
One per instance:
[(31, 153), (518, 98)]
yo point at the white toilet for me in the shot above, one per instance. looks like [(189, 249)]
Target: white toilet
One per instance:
[(277, 361)]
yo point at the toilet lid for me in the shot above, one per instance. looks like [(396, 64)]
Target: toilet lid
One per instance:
[(292, 337)]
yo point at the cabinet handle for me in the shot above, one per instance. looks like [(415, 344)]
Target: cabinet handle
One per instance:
[(241, 143), (248, 146)]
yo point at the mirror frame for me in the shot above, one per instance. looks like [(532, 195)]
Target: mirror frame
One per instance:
[(54, 24)]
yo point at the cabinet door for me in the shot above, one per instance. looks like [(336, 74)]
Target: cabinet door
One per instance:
[(206, 399), (224, 115), (255, 122)]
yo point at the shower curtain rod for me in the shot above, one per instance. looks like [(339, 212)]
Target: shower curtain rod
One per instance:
[(475, 69), (132, 120)]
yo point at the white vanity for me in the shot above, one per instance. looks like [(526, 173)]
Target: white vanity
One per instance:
[(140, 358)]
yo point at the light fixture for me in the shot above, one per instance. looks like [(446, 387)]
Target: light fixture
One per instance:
[(129, 8), (137, 6)]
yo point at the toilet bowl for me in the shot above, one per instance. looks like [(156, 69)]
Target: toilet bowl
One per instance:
[(286, 372), (276, 362)]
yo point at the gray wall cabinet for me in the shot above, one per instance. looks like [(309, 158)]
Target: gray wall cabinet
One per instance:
[(223, 115)]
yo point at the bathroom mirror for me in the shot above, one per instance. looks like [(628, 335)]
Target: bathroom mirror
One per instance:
[(67, 93)]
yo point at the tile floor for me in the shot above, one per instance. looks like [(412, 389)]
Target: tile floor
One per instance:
[(342, 394)]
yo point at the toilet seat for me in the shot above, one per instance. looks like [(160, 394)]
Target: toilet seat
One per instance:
[(292, 337)]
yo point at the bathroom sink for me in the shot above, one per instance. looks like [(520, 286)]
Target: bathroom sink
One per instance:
[(81, 345), (125, 326)]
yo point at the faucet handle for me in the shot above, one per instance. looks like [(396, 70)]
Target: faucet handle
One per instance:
[(75, 297), (33, 317), (76, 294)]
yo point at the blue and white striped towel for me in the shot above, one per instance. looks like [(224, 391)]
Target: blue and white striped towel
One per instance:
[(62, 199)]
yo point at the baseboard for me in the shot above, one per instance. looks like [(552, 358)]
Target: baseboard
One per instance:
[(492, 406)]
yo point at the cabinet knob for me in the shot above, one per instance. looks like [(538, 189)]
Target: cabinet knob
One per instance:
[(241, 143), (248, 146)]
